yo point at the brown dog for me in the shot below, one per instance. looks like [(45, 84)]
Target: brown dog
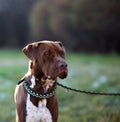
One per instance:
[(35, 96)]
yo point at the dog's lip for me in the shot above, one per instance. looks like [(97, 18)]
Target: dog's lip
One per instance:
[(63, 73)]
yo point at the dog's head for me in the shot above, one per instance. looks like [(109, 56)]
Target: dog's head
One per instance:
[(47, 58)]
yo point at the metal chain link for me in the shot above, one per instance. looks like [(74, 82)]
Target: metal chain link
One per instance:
[(88, 92)]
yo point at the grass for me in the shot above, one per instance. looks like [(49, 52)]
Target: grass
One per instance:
[(88, 72)]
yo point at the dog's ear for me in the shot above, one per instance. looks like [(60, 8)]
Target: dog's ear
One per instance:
[(31, 50), (60, 44)]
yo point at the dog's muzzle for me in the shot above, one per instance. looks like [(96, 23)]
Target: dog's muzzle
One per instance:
[(62, 69)]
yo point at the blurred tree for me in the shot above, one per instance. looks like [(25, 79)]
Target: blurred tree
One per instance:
[(86, 25), (82, 25), (14, 30)]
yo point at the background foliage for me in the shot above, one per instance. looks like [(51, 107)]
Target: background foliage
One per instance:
[(88, 26), (82, 25), (90, 72)]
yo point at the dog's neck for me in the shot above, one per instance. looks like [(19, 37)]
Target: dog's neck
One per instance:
[(45, 83), (35, 70), (43, 86)]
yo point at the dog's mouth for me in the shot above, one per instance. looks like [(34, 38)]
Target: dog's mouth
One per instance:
[(62, 73), (59, 71)]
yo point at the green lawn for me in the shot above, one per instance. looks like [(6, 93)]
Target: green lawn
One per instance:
[(87, 72)]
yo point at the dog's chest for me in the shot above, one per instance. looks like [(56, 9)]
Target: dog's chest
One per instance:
[(37, 114)]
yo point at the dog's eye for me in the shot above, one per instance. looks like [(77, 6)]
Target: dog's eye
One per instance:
[(62, 54)]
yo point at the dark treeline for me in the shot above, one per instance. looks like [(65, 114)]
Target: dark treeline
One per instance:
[(14, 27), (82, 25)]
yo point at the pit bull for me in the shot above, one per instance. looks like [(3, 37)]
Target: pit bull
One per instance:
[(35, 96)]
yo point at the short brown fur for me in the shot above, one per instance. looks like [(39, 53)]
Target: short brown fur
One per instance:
[(47, 58)]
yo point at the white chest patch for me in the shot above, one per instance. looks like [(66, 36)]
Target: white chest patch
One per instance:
[(37, 114)]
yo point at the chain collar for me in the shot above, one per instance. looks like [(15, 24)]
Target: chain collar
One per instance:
[(38, 94)]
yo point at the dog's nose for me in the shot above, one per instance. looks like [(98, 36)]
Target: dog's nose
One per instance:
[(62, 64)]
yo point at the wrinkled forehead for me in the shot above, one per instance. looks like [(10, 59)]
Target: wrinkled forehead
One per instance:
[(52, 47)]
